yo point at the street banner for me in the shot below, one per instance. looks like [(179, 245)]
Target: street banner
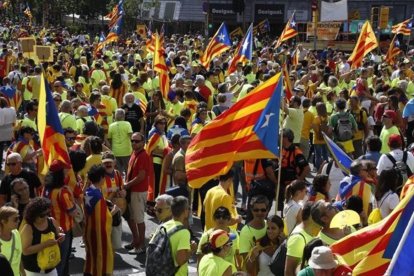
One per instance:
[(324, 30)]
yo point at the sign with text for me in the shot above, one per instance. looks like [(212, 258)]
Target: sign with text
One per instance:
[(273, 12), (222, 13), (324, 30)]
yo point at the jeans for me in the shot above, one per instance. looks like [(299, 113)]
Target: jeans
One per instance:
[(321, 154), (65, 250), (239, 178)]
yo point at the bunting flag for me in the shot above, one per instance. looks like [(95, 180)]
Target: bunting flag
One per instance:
[(365, 44), (288, 32), (370, 250), (248, 130), (286, 82), (393, 51), (116, 13), (262, 27), (341, 158), (236, 32), (244, 51), (97, 237), (50, 130), (403, 27), (219, 43), (161, 67)]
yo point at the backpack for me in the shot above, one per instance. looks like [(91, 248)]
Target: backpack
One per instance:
[(403, 170), (277, 263), (160, 261), (360, 123), (343, 129)]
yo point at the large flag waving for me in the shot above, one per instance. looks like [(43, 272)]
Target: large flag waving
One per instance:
[(115, 14), (341, 158), (393, 51), (244, 51), (370, 250), (161, 67), (288, 32), (403, 27), (115, 31), (248, 130), (217, 45), (365, 44), (51, 134)]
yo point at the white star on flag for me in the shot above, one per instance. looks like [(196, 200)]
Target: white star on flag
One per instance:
[(88, 199), (245, 45), (267, 120), (293, 23), (221, 37)]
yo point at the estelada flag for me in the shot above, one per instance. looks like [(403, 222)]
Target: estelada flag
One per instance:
[(393, 51), (365, 44), (370, 250), (244, 51), (248, 130), (218, 44), (403, 27)]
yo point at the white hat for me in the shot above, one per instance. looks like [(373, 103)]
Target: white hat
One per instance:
[(322, 258)]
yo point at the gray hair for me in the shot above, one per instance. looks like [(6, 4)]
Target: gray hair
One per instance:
[(15, 156), (66, 106), (165, 198), (128, 95), (120, 114), (83, 109)]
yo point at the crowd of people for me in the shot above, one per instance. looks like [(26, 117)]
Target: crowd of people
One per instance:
[(127, 145)]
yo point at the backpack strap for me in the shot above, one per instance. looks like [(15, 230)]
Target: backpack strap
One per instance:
[(392, 159), (174, 230)]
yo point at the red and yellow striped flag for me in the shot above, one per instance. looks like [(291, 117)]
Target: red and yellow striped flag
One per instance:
[(286, 82), (370, 250), (248, 130), (365, 44), (393, 51), (161, 67), (218, 44), (288, 32), (403, 27)]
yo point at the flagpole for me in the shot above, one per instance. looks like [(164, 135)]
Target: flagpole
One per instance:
[(400, 246), (279, 174)]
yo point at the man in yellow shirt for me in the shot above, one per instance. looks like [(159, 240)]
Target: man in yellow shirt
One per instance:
[(361, 118), (306, 128), (67, 120), (220, 196)]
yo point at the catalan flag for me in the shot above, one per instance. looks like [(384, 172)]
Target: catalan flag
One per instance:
[(150, 43), (217, 45), (248, 130), (288, 32), (50, 130), (393, 51), (115, 14), (403, 27), (101, 43), (244, 52), (295, 57), (161, 67), (97, 237), (370, 250), (114, 32), (341, 158), (286, 82), (262, 27), (365, 44), (13, 97)]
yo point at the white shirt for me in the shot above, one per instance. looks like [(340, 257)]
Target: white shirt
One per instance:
[(7, 119), (290, 212), (264, 261), (335, 177), (388, 203), (384, 163)]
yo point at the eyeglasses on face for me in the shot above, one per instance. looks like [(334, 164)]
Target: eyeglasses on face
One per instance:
[(136, 141)]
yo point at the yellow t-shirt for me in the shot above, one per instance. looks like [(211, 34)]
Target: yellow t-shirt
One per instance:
[(307, 124), (93, 159), (26, 122), (119, 133), (249, 236), (294, 121), (360, 133), (6, 251), (296, 243), (67, 120), (217, 197), (385, 136), (211, 264)]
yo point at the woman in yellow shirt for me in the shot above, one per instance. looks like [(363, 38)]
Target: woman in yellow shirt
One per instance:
[(319, 125)]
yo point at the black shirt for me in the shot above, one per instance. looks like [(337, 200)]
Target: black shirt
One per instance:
[(132, 115), (6, 269), (30, 177)]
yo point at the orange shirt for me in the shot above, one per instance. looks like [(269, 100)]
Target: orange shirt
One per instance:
[(113, 184), (62, 205)]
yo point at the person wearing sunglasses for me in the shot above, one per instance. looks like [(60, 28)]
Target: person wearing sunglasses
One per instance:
[(30, 116), (255, 229), (163, 207), (38, 222), (219, 245), (222, 219), (11, 244), (14, 165)]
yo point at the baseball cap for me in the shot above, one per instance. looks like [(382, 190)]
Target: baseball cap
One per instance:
[(390, 114), (395, 139), (219, 238)]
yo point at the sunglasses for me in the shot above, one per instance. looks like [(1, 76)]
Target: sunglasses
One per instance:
[(136, 141), (71, 138), (11, 164), (263, 210)]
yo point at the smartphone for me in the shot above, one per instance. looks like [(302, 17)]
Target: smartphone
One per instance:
[(61, 237)]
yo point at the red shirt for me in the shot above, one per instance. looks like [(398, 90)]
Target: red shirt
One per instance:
[(139, 161)]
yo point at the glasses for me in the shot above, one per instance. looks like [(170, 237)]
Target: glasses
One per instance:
[(136, 141), (71, 138), (263, 210), (159, 210), (11, 164)]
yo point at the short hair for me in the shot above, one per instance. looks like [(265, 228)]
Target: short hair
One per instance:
[(373, 143), (222, 212), (119, 114), (168, 199), (306, 103), (259, 199), (306, 211), (288, 134), (68, 130), (78, 159), (96, 173), (17, 180), (341, 104), (31, 105), (179, 206), (356, 167), (139, 134), (6, 212), (95, 144), (94, 96), (317, 213), (227, 176), (15, 156), (66, 105), (354, 203)]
